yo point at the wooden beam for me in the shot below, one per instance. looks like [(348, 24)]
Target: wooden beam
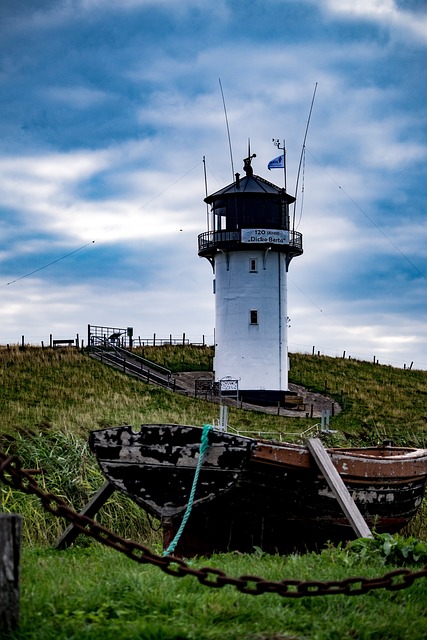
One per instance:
[(338, 488), (91, 509), (10, 551)]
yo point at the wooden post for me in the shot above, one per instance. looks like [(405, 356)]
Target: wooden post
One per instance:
[(10, 548), (338, 488)]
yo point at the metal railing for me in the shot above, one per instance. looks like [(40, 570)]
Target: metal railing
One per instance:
[(211, 239), (131, 363)]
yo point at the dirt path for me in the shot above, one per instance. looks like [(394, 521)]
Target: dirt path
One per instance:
[(314, 403)]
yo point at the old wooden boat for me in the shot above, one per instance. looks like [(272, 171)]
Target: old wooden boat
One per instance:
[(256, 493)]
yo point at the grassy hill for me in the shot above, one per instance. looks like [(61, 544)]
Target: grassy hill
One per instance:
[(51, 399), (49, 402)]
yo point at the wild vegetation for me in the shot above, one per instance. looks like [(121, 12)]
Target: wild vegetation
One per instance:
[(378, 401), (50, 399), (49, 402)]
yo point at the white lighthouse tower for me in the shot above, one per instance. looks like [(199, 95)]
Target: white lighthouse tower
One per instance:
[(250, 245)]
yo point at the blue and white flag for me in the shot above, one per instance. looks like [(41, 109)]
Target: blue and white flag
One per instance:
[(277, 163)]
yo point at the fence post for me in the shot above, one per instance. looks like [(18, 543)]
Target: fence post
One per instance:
[(10, 547)]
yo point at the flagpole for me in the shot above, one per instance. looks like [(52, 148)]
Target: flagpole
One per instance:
[(284, 163), (276, 142)]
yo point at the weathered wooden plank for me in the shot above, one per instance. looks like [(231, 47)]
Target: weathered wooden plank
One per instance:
[(338, 488), (91, 509), (389, 464), (10, 551)]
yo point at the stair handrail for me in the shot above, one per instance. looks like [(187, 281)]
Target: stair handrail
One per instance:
[(102, 345)]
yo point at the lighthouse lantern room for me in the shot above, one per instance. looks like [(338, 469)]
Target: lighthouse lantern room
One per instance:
[(250, 245)]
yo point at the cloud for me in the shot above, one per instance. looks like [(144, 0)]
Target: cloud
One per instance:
[(392, 338), (65, 311), (385, 13), (59, 13), (77, 97), (110, 111)]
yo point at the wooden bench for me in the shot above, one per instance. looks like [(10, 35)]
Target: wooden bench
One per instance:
[(294, 402), (62, 343)]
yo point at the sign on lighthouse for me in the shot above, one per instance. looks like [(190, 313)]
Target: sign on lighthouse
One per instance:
[(250, 245)]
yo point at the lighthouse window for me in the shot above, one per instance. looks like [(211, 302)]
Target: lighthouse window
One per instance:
[(253, 316), (253, 265)]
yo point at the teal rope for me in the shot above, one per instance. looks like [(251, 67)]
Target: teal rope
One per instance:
[(203, 448)]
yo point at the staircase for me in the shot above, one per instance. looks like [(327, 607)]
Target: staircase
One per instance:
[(134, 365)]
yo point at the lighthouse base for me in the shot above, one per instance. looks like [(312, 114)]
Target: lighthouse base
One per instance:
[(265, 397)]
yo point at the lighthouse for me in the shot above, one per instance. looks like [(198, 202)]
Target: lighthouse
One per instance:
[(250, 244)]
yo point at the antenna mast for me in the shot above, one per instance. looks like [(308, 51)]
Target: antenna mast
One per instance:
[(302, 152), (228, 129), (206, 192)]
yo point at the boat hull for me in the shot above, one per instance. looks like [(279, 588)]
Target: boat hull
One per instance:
[(254, 494)]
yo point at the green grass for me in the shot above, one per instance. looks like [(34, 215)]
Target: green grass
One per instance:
[(379, 401), (99, 594), (51, 399), (179, 358), (49, 402)]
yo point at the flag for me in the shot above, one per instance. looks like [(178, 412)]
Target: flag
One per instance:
[(277, 163)]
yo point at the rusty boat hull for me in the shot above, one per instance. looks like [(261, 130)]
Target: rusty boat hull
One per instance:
[(254, 493)]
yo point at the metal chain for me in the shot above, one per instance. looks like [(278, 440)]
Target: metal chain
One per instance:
[(12, 474)]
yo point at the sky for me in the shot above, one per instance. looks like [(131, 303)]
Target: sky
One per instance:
[(107, 110)]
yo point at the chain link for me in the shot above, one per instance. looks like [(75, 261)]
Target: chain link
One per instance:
[(12, 474)]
